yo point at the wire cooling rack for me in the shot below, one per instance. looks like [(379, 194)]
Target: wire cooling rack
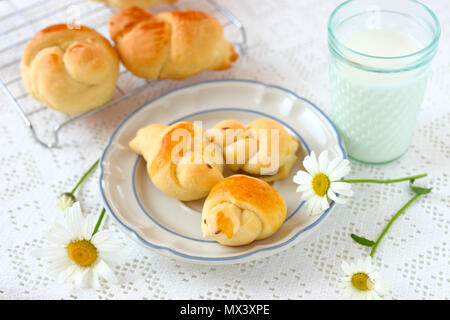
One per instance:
[(22, 19)]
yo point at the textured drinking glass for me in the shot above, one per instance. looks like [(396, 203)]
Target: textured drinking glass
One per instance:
[(380, 55)]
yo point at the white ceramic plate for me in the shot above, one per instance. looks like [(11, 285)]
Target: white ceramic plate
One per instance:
[(172, 227)]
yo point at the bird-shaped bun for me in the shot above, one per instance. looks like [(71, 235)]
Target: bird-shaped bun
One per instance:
[(183, 164), (241, 209)]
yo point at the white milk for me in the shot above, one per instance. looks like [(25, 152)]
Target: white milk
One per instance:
[(376, 111), (381, 43)]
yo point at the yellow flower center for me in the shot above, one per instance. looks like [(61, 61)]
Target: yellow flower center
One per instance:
[(362, 281), (82, 252), (320, 184)]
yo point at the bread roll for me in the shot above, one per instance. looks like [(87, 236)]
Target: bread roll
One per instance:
[(127, 3), (70, 70), (173, 45), (241, 209), (177, 163), (264, 148)]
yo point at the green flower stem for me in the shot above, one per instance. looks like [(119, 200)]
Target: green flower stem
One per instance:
[(84, 176), (383, 181), (392, 221), (99, 221)]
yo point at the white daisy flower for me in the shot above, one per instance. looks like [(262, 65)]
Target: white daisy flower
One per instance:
[(78, 257), (361, 281), (65, 200), (321, 182)]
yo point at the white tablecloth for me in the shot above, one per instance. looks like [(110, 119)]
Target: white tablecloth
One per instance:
[(287, 47)]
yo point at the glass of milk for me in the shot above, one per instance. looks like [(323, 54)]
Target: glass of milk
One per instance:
[(380, 55)]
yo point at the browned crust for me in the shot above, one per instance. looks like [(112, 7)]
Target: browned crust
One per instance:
[(146, 55), (126, 19), (253, 191), (167, 144), (53, 30)]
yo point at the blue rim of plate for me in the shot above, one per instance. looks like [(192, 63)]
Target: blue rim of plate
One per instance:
[(230, 258), (133, 178)]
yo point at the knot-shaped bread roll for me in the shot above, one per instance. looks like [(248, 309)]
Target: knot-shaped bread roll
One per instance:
[(70, 70), (127, 3), (241, 209), (181, 161), (264, 148), (174, 45)]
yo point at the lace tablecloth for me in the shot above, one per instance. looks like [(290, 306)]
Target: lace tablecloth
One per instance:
[(286, 46)]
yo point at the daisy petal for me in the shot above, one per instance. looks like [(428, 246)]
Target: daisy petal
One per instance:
[(335, 198), (88, 227), (341, 170), (105, 272), (333, 165), (58, 266), (95, 282), (302, 177), (324, 203), (49, 253), (303, 188), (74, 221), (100, 237), (110, 255), (323, 161), (308, 195), (110, 246), (310, 164), (79, 277), (312, 207), (58, 234), (317, 208), (66, 274), (360, 265), (342, 188), (309, 205)]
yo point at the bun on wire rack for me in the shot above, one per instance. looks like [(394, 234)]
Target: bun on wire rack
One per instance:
[(70, 70), (170, 45)]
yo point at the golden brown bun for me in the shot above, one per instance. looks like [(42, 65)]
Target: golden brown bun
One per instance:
[(241, 209), (127, 3), (70, 70), (252, 143), (192, 175), (173, 45)]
